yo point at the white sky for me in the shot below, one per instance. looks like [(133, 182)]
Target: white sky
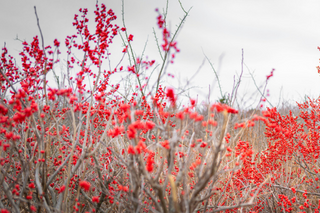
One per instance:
[(283, 35)]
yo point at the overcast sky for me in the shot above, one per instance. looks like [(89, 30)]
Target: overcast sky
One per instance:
[(283, 35)]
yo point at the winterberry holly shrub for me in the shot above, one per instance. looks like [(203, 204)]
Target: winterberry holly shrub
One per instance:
[(90, 144), (291, 160)]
